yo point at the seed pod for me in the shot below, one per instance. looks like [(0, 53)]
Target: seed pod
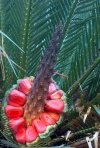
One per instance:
[(42, 126), (40, 102), (21, 136), (57, 95), (47, 119), (39, 125), (25, 85), (16, 124), (55, 106), (13, 112), (17, 97)]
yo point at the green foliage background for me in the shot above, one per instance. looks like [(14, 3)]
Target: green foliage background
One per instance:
[(30, 24)]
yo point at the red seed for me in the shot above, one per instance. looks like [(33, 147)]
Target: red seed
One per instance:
[(47, 119), (20, 136), (16, 124), (25, 85), (12, 103), (17, 97), (39, 125), (57, 95), (56, 106), (55, 116), (13, 112), (52, 88), (31, 134)]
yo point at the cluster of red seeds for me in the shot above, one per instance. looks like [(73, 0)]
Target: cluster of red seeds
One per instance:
[(14, 111)]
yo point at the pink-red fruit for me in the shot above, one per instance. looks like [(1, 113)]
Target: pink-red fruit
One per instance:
[(12, 103), (25, 85), (56, 106), (16, 124), (17, 97), (31, 134), (47, 119), (21, 136), (52, 88), (13, 112), (39, 125), (55, 116), (57, 95)]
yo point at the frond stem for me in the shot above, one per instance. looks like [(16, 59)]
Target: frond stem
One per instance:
[(75, 86)]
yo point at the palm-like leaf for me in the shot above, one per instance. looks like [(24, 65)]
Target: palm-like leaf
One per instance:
[(30, 25), (32, 29)]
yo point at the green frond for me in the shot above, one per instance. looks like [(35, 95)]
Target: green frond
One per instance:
[(80, 45), (28, 25), (8, 144)]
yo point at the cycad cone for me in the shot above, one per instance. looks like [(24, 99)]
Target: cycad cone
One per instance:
[(42, 127)]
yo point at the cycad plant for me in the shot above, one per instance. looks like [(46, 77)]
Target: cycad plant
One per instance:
[(27, 36)]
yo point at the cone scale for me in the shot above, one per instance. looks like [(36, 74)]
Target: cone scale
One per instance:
[(35, 105)]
